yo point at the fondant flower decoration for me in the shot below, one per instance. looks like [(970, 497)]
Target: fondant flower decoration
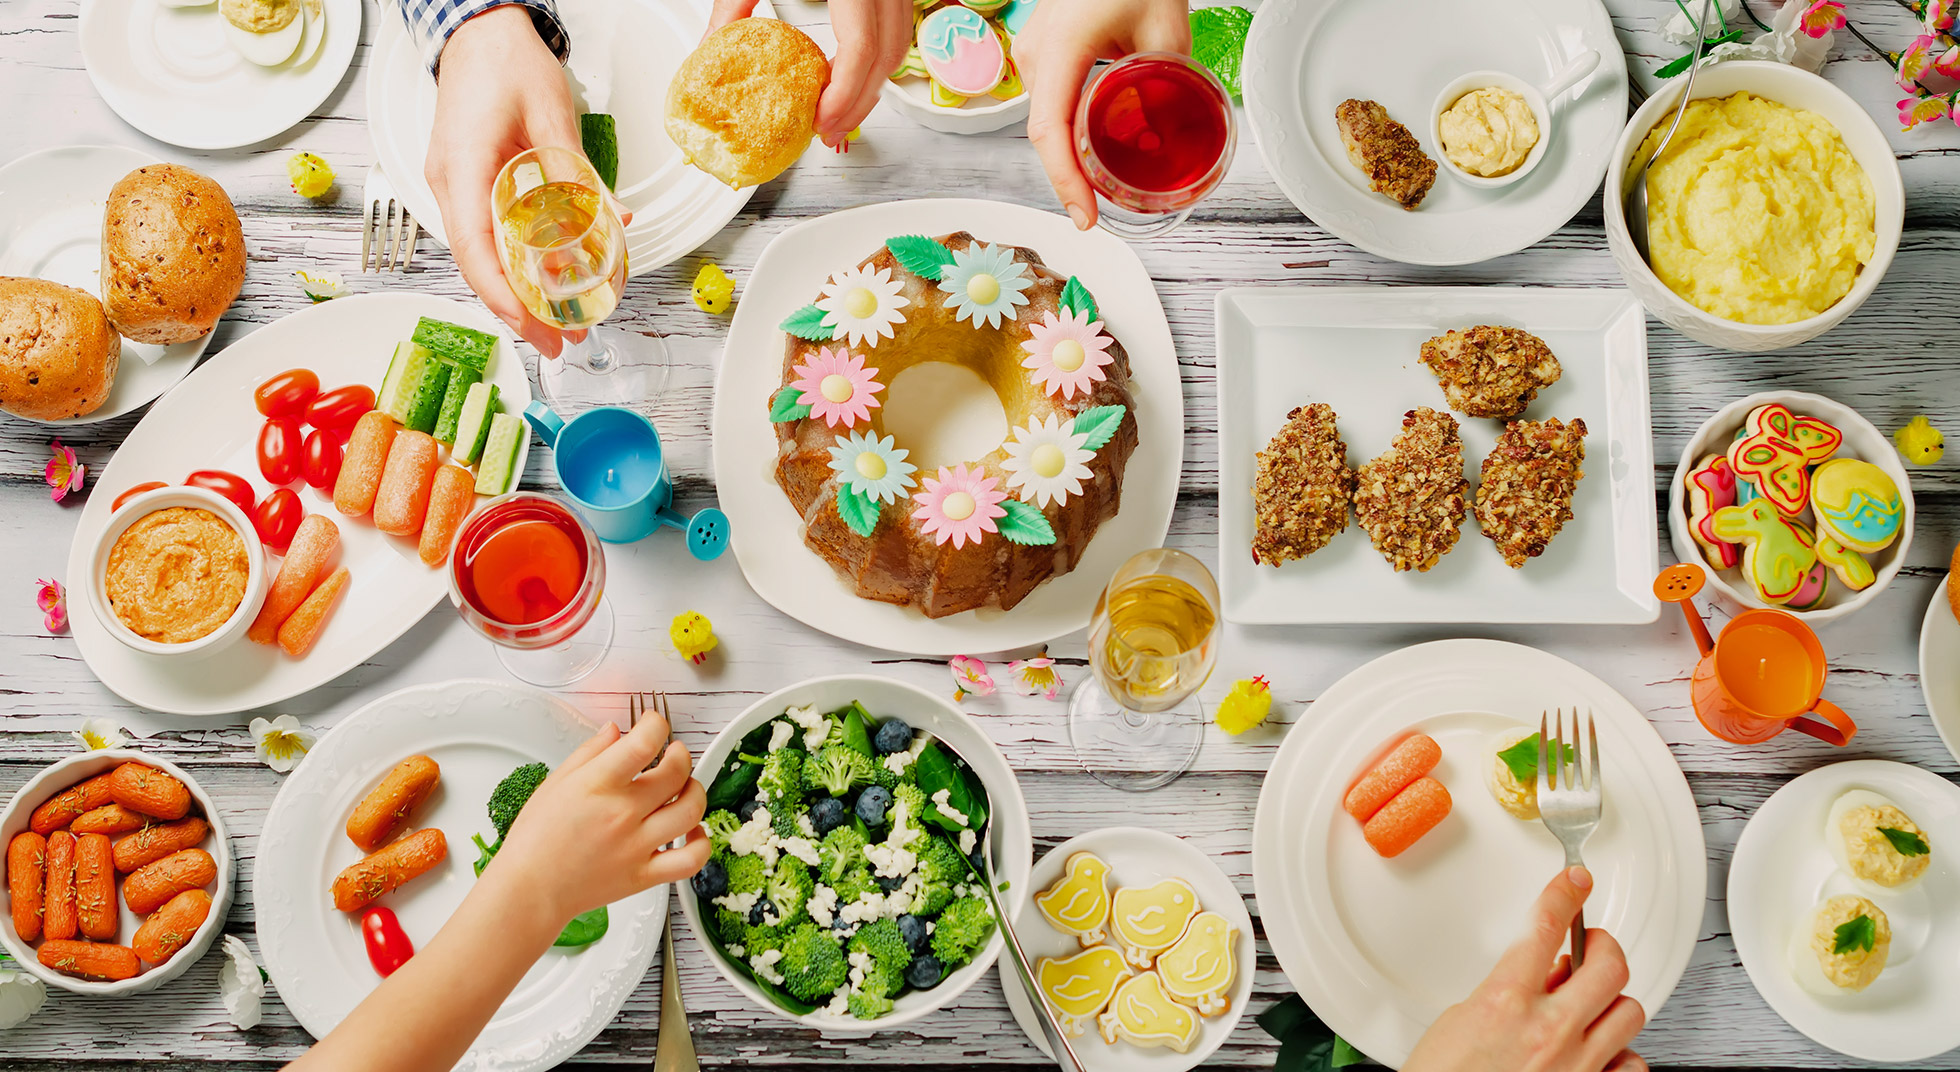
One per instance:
[(97, 734), (1821, 17), (985, 283), (21, 996), (52, 598), (959, 505), (837, 387), (970, 677), (1046, 461), (873, 467), (1036, 676), (240, 986), (281, 742), (64, 474), (1065, 353), (863, 305)]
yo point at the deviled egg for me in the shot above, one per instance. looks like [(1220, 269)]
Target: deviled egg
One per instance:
[(1875, 842), (1511, 773), (186, 3), (1842, 948), (266, 32), (316, 30)]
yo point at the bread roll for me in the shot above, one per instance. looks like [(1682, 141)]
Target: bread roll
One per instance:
[(173, 257), (743, 106), (58, 354)]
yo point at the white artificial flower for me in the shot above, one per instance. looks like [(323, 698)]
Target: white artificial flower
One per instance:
[(1680, 30), (321, 286), (240, 985), (863, 305), (21, 995), (99, 733), (1046, 461), (281, 743)]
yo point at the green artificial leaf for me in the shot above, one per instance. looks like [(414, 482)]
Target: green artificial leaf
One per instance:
[(1075, 298), (1025, 524), (1305, 1044), (859, 511), (857, 728), (1099, 423), (1522, 758), (1681, 64), (936, 770), (785, 407), (1218, 42), (808, 323), (1345, 1054), (1905, 842), (584, 929), (920, 255), (1858, 933)]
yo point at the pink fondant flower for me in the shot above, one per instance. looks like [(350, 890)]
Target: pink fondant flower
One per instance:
[(1036, 676), (959, 505), (1916, 110), (1821, 17), (970, 677), (64, 473), (1066, 353), (837, 387), (53, 601)]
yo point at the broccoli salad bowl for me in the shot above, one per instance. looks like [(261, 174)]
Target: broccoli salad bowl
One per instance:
[(848, 815)]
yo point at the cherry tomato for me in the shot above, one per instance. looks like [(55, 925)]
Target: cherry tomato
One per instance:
[(388, 947), (287, 394), (279, 450), (148, 485), (320, 458), (340, 407), (230, 485), (277, 517)]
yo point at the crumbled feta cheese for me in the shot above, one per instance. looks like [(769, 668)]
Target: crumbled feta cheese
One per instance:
[(898, 762), (860, 967), (891, 861), (804, 824), (734, 765), (815, 726), (822, 906), (764, 965), (757, 837), (779, 734), (802, 848), (905, 828), (738, 902), (967, 838), (738, 951), (900, 901), (840, 1005), (940, 800)]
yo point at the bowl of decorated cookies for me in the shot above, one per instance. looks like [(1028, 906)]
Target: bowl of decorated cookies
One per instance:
[(1792, 501), (959, 75)]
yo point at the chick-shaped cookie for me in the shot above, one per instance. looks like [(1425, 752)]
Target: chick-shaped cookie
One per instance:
[(1150, 919), (1079, 903), (1199, 970), (1080, 986), (1143, 1014)]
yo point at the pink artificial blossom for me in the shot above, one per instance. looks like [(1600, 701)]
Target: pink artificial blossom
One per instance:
[(970, 677), (1915, 61), (1036, 676), (53, 601), (1948, 63), (64, 473), (1821, 17), (1916, 110), (1938, 15)]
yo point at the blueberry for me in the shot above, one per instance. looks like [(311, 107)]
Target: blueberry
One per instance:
[(757, 912), (747, 810), (711, 881), (925, 972), (873, 803), (888, 883), (913, 930), (893, 736), (827, 815)]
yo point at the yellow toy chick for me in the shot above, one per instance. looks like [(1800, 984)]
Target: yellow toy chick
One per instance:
[(713, 288), (693, 635), (1245, 706), (1919, 441)]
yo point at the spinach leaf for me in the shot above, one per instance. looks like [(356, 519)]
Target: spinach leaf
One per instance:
[(775, 993), (857, 732), (1305, 1044), (936, 770), (732, 787), (584, 929)]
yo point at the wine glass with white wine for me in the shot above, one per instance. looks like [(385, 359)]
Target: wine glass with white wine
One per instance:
[(563, 249), (1152, 643)]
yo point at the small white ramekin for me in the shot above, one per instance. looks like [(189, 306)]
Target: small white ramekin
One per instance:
[(256, 581)]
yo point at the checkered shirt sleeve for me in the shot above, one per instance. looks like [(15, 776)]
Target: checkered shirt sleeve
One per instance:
[(430, 22)]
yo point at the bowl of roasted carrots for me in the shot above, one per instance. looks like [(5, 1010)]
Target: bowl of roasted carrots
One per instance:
[(118, 873)]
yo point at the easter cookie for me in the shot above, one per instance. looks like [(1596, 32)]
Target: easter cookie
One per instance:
[(1199, 970), (1143, 1014), (1150, 919), (1080, 986), (1079, 903), (1778, 553), (961, 52), (1710, 487), (1776, 450), (941, 97), (1816, 584), (1857, 504), (984, 7), (1850, 566), (1014, 17), (1010, 82)]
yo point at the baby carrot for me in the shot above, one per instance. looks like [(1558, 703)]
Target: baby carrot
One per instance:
[(63, 807), (27, 877), (301, 628), (95, 888), (90, 960), (1412, 813), (109, 819), (313, 547), (384, 871), (1416, 756), (382, 812), (361, 464), (58, 906), (153, 843), (151, 886), (403, 498), (449, 503), (145, 789), (171, 927)]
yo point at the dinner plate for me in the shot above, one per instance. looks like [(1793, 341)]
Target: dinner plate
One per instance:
[(623, 56), (1378, 947), (767, 532), (1939, 666), (1357, 349), (170, 74), (1136, 857), (477, 732), (1781, 869), (51, 205), (209, 422), (1302, 59)]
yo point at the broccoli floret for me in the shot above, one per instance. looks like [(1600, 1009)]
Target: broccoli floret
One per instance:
[(940, 861), (789, 889), (842, 849), (881, 939), (961, 930), (781, 782), (757, 939), (883, 983), (837, 769), (932, 897), (885, 776), (731, 925), (783, 822), (854, 885), (909, 798), (747, 874), (868, 1006), (511, 795), (721, 824), (813, 964)]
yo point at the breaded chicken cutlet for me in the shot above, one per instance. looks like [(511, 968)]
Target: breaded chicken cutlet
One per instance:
[(1524, 494), (1385, 151), (1490, 371), (1302, 487), (1411, 499)]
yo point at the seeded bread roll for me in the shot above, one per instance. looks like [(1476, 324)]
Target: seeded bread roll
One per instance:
[(173, 257), (743, 106), (58, 354)]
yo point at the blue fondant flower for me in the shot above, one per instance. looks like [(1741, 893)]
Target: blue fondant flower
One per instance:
[(986, 283)]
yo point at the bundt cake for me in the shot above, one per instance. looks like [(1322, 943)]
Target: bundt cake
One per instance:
[(981, 532)]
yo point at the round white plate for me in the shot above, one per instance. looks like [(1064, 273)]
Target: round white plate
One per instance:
[(767, 532), (1378, 947), (623, 56), (1303, 59), (1782, 868), (209, 422), (477, 732), (170, 74), (1939, 666), (1136, 857), (51, 206)]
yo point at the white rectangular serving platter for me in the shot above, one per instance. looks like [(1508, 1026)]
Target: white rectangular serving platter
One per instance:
[(1358, 350)]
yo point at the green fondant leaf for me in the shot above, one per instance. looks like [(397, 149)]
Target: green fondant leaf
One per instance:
[(808, 323), (1076, 299), (859, 511), (1025, 524), (1099, 423), (920, 255), (785, 407)]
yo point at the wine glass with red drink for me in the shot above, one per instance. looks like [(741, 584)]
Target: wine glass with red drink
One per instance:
[(527, 572), (1154, 132)]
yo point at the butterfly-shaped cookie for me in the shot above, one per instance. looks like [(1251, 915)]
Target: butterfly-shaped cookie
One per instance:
[(1776, 451)]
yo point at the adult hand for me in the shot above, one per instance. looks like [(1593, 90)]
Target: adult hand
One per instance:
[(1054, 54), (1534, 1013), (499, 91), (872, 38)]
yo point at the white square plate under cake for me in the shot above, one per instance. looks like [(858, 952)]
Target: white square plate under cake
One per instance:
[(1357, 349)]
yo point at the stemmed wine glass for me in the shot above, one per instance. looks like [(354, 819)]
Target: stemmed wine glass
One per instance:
[(528, 573)]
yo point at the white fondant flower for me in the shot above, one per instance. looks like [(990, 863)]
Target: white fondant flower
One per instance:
[(21, 995), (873, 467), (281, 743), (240, 985), (985, 283), (1046, 461), (100, 733), (863, 305)]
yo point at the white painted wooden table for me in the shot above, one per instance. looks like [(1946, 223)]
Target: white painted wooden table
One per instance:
[(1898, 356)]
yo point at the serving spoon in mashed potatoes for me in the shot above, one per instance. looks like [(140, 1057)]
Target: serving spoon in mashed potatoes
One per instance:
[(1635, 202)]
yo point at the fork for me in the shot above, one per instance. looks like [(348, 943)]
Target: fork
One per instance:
[(1569, 796), (674, 1050), (386, 227)]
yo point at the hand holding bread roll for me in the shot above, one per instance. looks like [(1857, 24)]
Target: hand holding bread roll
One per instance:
[(743, 105), (173, 255), (58, 352)]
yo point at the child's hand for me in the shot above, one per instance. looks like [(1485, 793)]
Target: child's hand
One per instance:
[(872, 38), (1533, 1014), (592, 833)]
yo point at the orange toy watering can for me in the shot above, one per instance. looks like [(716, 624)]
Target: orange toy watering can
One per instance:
[(1763, 675)]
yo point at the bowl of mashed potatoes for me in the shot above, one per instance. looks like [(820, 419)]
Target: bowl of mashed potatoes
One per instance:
[(1773, 214), (178, 571)]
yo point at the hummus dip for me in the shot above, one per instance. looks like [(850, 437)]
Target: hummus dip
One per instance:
[(260, 16), (1870, 853), (1854, 969), (177, 574), (1488, 132)]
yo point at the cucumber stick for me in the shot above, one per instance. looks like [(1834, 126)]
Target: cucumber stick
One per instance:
[(403, 368), (473, 422), (461, 379), (456, 343), (497, 472)]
